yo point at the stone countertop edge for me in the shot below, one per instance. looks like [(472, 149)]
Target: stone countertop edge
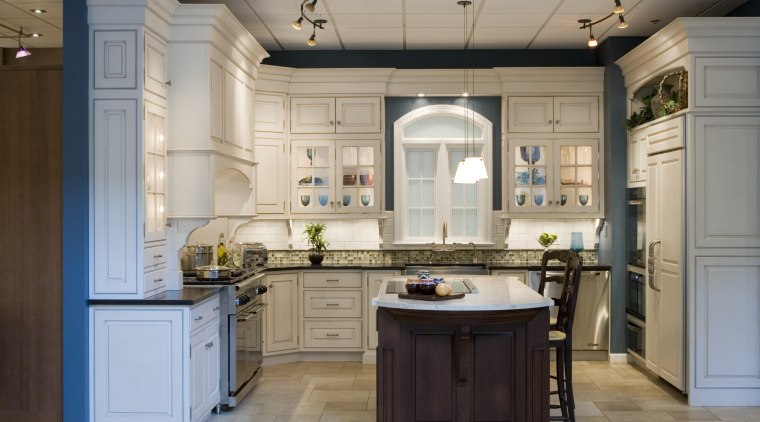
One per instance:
[(495, 294), (184, 297), (518, 265)]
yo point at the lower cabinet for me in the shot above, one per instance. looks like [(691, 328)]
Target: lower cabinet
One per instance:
[(281, 315), (152, 364), (522, 275), (374, 280), (333, 310)]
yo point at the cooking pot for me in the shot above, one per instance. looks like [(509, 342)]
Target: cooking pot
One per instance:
[(212, 272), (194, 256)]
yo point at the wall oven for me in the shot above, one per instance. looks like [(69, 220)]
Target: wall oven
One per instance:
[(635, 298), (635, 331), (636, 228)]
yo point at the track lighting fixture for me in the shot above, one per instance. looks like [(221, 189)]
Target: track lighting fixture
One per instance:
[(315, 23), (586, 23), (22, 51)]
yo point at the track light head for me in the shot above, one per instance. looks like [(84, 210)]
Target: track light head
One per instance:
[(622, 24), (618, 7), (592, 42), (310, 6), (312, 41), (297, 23)]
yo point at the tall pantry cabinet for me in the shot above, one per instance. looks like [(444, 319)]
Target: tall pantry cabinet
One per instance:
[(704, 197)]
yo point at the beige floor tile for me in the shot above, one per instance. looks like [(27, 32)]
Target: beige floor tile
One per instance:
[(372, 403), (693, 415), (334, 386), (736, 413), (617, 406), (352, 406), (665, 404), (587, 409), (294, 418), (292, 408), (591, 419), (639, 417), (326, 377), (348, 416), (364, 385), (339, 396)]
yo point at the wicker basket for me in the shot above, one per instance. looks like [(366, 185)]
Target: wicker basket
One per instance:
[(683, 92)]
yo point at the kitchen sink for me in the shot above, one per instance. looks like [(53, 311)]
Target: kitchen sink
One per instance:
[(450, 268)]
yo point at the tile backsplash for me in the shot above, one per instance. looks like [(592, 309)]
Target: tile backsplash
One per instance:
[(523, 233)]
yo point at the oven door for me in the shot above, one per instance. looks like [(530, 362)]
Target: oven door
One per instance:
[(245, 354), (636, 297)]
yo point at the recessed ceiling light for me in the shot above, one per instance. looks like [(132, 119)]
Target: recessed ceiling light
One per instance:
[(420, 94), (38, 11), (35, 35)]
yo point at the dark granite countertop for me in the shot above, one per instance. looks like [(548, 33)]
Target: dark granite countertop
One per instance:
[(516, 265), (186, 297)]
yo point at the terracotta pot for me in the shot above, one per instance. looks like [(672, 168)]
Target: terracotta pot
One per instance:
[(316, 258)]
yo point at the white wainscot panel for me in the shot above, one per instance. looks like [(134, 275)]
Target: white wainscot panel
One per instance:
[(728, 192), (728, 82), (727, 351), (114, 147), (115, 61), (137, 365)]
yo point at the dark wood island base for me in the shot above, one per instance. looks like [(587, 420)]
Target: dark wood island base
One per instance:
[(463, 365)]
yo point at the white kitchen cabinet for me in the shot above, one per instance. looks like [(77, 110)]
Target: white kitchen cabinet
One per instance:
[(335, 115), (335, 176), (333, 311), (204, 359), (637, 158), (155, 55), (553, 114), (154, 167), (553, 176), (281, 315), (269, 113), (521, 275), (665, 262), (154, 363), (271, 176), (374, 279)]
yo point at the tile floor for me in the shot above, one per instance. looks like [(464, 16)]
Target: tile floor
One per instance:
[(345, 391)]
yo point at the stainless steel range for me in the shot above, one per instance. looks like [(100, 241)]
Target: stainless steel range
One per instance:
[(242, 311)]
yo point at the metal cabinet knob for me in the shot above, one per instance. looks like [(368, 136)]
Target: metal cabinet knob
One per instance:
[(549, 122), (199, 317), (556, 122), (216, 308), (158, 280), (332, 123), (338, 122), (158, 256)]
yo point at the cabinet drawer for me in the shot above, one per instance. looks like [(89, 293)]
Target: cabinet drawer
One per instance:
[(154, 256), (332, 304), (154, 280), (337, 279), (332, 334), (204, 312)]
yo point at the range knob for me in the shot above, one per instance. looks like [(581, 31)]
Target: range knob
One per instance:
[(260, 289), (242, 300)]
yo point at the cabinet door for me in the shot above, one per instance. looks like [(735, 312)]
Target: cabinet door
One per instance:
[(238, 112), (530, 175), (281, 313), (212, 377), (635, 162), (530, 114), (577, 181), (374, 280), (576, 114), (312, 169), (270, 176), (358, 115), (665, 291), (312, 115), (520, 275), (154, 147), (358, 176), (155, 65), (198, 380), (216, 83), (269, 113)]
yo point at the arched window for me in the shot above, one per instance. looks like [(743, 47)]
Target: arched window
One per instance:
[(428, 145)]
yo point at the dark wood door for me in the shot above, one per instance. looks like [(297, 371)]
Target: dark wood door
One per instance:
[(30, 235)]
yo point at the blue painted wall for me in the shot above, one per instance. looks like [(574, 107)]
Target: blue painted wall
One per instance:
[(488, 107), (75, 212), (750, 8)]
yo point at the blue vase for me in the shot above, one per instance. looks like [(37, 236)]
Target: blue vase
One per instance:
[(576, 241)]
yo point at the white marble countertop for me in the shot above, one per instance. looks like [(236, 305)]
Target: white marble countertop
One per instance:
[(494, 294)]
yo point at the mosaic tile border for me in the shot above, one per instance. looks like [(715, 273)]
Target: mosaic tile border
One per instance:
[(488, 257)]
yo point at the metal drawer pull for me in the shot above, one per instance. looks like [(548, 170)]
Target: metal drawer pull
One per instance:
[(158, 256), (333, 335), (216, 308), (332, 304), (332, 280), (158, 280), (209, 344), (199, 317)]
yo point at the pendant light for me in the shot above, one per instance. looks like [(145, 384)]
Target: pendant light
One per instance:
[(470, 169), (22, 51)]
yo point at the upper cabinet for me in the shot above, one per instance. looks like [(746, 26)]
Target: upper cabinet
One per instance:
[(637, 158), (335, 115), (553, 114)]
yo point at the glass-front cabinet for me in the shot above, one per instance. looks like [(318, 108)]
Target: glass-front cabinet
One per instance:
[(335, 176), (154, 172), (553, 176)]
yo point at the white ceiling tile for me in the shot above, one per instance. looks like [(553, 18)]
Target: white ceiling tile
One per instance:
[(30, 25), (372, 38), (590, 6), (265, 7), (435, 6), (571, 20), (53, 11), (364, 6), (437, 38), (560, 38), (503, 38), (511, 20), (378, 20), (436, 20), (518, 6), (7, 12)]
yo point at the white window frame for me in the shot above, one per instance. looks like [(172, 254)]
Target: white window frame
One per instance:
[(442, 184)]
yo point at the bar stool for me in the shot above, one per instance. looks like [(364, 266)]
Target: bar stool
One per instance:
[(561, 336), (555, 255)]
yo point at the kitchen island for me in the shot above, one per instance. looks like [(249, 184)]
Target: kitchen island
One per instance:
[(481, 357)]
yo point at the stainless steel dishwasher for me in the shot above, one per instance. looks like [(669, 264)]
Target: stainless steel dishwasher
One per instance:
[(591, 326)]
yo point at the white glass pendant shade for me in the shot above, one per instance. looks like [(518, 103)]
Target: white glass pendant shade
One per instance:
[(463, 175), (476, 167)]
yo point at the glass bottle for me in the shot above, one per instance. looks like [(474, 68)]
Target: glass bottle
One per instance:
[(221, 251)]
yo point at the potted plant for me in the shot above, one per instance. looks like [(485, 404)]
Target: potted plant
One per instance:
[(318, 244)]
